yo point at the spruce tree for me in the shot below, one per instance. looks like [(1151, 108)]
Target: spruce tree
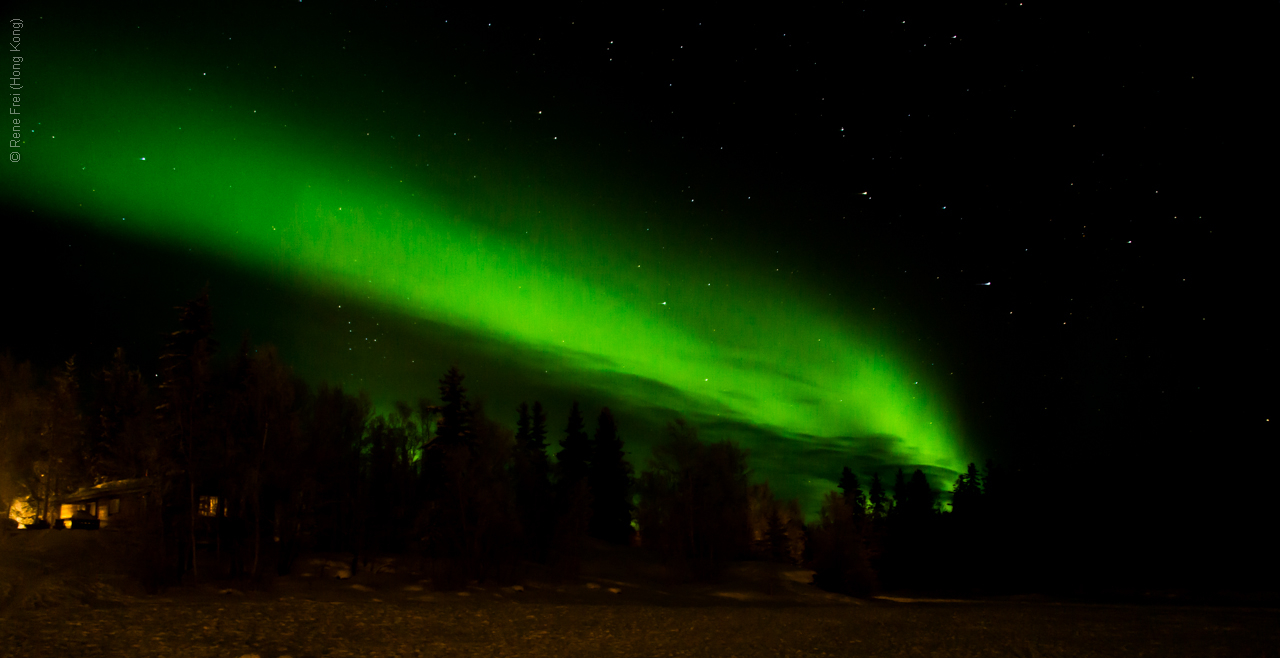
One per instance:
[(901, 493), (964, 497), (922, 497), (574, 459), (532, 483), (186, 410), (461, 475), (538, 431), (121, 443), (540, 465), (878, 498), (852, 490), (975, 480), (993, 481), (610, 479), (455, 410), (522, 427), (573, 495)]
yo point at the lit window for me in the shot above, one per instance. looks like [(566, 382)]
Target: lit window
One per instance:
[(208, 506)]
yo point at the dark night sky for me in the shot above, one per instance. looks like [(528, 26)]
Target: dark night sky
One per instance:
[(892, 157)]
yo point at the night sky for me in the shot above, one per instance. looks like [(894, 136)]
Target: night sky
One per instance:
[(868, 236)]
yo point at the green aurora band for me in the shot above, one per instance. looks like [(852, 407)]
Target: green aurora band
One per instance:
[(261, 185)]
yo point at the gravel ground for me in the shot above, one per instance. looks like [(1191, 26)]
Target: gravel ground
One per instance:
[(374, 623), (60, 598)]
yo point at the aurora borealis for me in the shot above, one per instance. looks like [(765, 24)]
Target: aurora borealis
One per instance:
[(623, 307), (384, 193)]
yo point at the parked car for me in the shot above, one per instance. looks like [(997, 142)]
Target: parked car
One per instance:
[(83, 520)]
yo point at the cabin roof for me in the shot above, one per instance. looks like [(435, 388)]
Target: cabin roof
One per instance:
[(108, 490)]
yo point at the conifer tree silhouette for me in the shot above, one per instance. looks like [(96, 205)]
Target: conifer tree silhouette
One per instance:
[(610, 479), (922, 497), (531, 471), (573, 462), (573, 495), (123, 428), (538, 432), (451, 517), (878, 498), (455, 411), (185, 387), (522, 425), (901, 494), (852, 491), (964, 497)]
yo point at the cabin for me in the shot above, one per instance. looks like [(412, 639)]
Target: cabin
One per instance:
[(119, 504)]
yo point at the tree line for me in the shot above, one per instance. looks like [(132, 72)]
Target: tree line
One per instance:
[(900, 537), (247, 468)]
